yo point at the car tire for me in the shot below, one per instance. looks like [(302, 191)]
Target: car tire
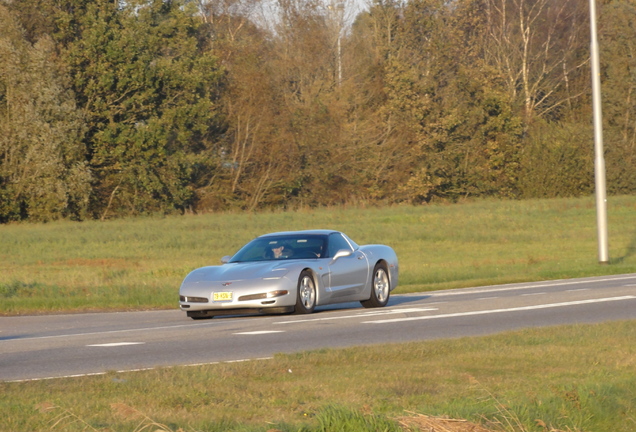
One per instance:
[(306, 298), (380, 288)]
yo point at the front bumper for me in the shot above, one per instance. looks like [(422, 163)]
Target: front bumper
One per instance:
[(266, 296)]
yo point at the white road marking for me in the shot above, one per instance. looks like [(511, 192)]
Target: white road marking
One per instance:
[(394, 311), (578, 290), (138, 370), (107, 332), (492, 311), (221, 362), (532, 294), (260, 332), (531, 285), (366, 314), (65, 376), (116, 344)]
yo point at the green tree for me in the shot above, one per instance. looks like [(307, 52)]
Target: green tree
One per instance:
[(617, 36), (454, 130), (43, 174), (147, 89), (557, 161)]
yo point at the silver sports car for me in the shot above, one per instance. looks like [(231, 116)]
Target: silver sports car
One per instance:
[(292, 272)]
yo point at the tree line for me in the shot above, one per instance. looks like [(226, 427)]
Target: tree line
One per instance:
[(124, 107)]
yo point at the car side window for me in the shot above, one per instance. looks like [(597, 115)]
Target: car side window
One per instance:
[(336, 243)]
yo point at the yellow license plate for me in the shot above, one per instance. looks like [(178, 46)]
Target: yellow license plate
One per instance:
[(222, 296)]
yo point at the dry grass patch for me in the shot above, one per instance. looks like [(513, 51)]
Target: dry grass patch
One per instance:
[(424, 423)]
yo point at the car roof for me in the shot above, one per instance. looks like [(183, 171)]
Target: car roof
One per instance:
[(303, 232)]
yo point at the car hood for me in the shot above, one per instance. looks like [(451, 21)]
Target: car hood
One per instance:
[(234, 272)]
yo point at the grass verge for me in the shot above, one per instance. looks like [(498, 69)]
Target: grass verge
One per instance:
[(569, 378), (140, 263)]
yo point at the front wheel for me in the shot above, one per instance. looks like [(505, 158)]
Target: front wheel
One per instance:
[(306, 298), (380, 288)]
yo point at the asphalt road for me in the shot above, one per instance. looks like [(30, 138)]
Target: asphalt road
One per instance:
[(52, 346)]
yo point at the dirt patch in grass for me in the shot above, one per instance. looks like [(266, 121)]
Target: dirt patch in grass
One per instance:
[(426, 423)]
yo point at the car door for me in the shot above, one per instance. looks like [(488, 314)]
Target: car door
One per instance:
[(347, 274)]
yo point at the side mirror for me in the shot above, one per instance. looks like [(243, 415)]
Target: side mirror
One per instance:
[(342, 253), (225, 259)]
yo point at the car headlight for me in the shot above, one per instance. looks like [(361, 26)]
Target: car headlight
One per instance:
[(263, 296)]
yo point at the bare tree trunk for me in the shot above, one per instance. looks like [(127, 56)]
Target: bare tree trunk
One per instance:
[(529, 50)]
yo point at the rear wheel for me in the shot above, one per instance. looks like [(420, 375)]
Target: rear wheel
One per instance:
[(306, 298), (380, 288)]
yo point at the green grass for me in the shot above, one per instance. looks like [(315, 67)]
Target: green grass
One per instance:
[(140, 263), (569, 378), (572, 378)]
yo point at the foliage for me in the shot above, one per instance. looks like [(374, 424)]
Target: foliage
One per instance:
[(617, 54), (43, 170), (557, 162), (147, 91), (113, 108)]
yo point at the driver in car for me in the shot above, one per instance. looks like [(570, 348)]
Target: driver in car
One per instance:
[(278, 252)]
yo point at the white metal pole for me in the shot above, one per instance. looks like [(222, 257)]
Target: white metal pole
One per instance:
[(599, 157)]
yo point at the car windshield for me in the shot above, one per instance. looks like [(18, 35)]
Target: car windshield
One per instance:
[(282, 248)]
